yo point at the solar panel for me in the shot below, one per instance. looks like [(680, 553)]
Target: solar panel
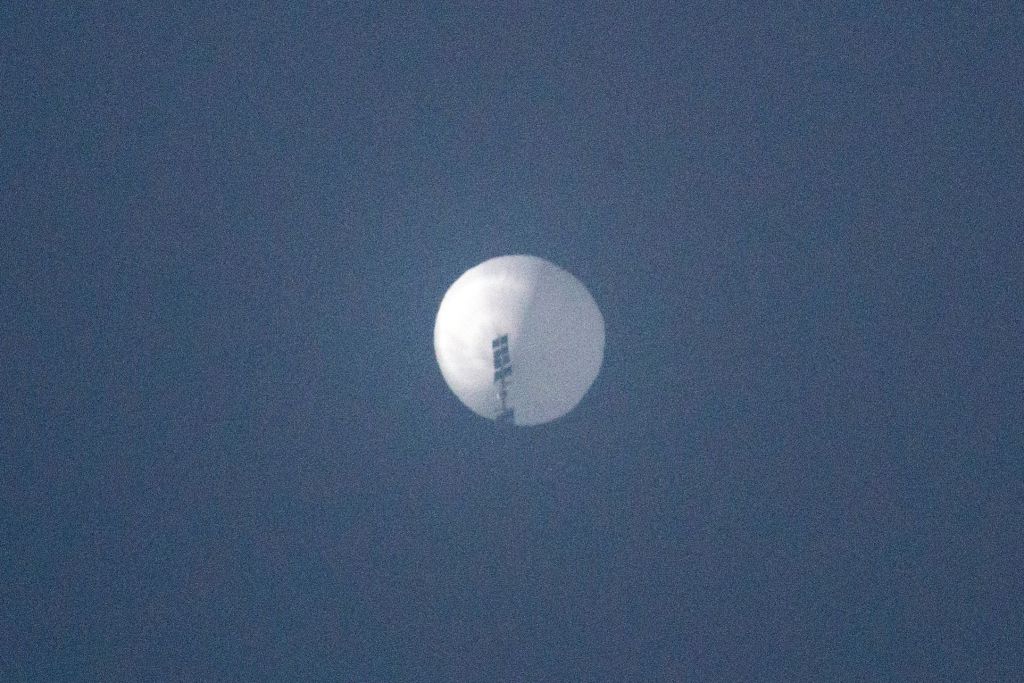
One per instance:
[(502, 371), (502, 358)]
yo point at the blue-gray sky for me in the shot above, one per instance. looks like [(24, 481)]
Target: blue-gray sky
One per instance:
[(227, 451)]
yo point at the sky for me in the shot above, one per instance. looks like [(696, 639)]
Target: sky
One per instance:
[(227, 452)]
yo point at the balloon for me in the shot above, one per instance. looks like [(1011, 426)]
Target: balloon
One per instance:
[(519, 340)]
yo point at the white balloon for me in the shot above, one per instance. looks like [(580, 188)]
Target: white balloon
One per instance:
[(555, 338)]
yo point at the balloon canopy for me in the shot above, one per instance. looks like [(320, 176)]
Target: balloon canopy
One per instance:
[(519, 340)]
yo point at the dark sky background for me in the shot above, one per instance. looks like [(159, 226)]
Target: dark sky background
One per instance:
[(228, 453)]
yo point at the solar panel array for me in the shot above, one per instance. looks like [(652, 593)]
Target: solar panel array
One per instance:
[(502, 359), (502, 370)]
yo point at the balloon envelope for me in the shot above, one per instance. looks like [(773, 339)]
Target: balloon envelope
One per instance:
[(555, 339)]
